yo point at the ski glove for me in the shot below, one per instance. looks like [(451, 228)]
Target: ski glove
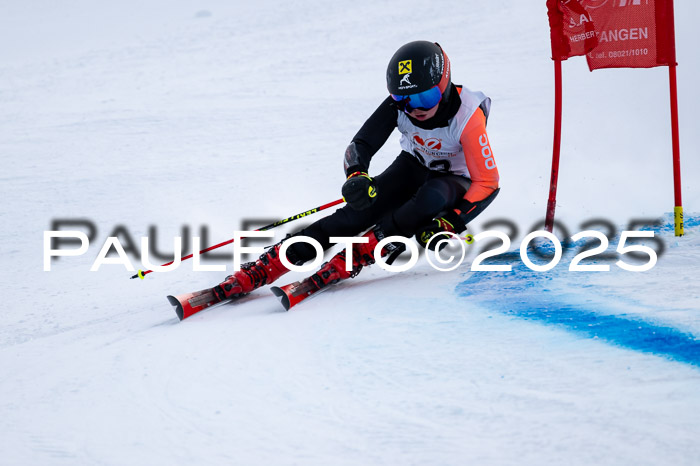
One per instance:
[(450, 222), (359, 191)]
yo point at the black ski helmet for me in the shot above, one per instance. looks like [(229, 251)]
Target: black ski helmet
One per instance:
[(417, 67)]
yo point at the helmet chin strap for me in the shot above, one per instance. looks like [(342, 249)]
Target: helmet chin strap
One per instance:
[(447, 93)]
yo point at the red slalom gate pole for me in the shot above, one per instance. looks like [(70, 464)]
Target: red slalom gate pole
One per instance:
[(142, 274), (675, 138), (667, 16), (556, 149), (678, 202)]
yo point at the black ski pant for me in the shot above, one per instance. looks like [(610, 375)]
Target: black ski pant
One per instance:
[(409, 196)]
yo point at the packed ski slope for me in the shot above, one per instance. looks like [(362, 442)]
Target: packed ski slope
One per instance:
[(208, 114)]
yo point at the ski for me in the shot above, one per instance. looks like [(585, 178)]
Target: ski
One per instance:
[(294, 293), (188, 304)]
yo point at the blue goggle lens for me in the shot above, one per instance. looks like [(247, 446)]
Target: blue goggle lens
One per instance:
[(422, 101)]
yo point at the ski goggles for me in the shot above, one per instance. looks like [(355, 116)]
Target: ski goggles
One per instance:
[(421, 101)]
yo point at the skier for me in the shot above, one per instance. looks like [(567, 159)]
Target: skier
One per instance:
[(443, 178)]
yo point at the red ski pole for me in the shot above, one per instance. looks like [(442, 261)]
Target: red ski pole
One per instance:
[(142, 274)]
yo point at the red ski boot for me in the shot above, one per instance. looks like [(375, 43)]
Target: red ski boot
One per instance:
[(252, 275), (334, 270), (362, 255)]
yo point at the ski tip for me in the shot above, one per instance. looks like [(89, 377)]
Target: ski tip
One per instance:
[(178, 306), (284, 299)]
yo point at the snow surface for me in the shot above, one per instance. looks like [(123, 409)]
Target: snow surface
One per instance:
[(208, 113)]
